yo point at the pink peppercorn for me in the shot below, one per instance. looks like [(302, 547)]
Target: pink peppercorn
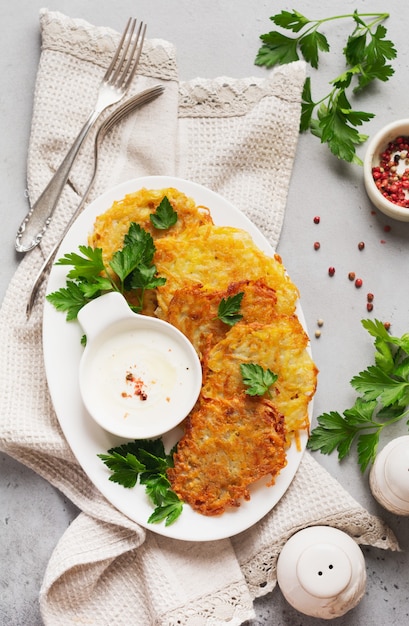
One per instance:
[(331, 271), (388, 176), (358, 283)]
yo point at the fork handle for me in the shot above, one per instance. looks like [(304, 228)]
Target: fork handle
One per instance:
[(34, 225)]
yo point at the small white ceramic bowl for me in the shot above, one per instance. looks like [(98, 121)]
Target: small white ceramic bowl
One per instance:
[(376, 146), (139, 376)]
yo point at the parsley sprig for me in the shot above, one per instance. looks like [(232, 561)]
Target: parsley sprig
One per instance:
[(383, 400), (257, 379), (367, 54), (89, 277), (146, 461)]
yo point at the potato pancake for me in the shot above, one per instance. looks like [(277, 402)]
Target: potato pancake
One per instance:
[(279, 346), (228, 445), (194, 311), (214, 257), (111, 227)]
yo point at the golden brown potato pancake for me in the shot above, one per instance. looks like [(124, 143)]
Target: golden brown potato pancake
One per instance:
[(194, 311), (280, 346), (214, 257), (111, 227), (227, 446)]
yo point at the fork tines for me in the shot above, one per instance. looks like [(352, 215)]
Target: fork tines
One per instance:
[(129, 48)]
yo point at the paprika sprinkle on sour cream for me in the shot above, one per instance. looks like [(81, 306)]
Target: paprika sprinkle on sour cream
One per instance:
[(391, 176)]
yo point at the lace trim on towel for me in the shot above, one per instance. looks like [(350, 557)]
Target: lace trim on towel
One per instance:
[(226, 606), (97, 45), (225, 97)]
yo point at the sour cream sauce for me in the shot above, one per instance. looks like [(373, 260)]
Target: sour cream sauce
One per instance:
[(139, 376)]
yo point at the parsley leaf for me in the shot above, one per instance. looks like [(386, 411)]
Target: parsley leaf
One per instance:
[(87, 266), (89, 278), (146, 460), (294, 20), (383, 400), (367, 54), (164, 216), (125, 469), (257, 379), (277, 49), (228, 310), (69, 299)]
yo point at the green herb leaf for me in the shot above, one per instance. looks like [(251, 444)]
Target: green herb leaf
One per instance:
[(228, 310), (125, 468), (138, 250), (332, 433), (293, 20), (69, 299), (257, 379), (384, 400), (146, 460), (87, 266), (167, 511), (145, 277), (165, 216), (367, 447), (307, 106), (310, 44), (373, 383), (277, 49)]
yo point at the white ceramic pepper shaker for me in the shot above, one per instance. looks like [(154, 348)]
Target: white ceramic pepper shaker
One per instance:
[(389, 476), (321, 572)]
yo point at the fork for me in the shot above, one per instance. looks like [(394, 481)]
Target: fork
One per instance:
[(129, 105), (112, 89)]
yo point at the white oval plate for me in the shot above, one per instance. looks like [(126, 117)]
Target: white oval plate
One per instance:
[(62, 354)]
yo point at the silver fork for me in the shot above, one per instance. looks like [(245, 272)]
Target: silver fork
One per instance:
[(112, 89), (141, 98)]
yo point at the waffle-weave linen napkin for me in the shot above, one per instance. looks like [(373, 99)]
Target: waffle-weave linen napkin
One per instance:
[(237, 137)]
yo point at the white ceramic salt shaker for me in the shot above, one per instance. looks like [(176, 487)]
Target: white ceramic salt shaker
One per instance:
[(389, 476), (321, 572)]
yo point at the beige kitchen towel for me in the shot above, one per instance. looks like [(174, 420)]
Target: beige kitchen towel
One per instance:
[(238, 137)]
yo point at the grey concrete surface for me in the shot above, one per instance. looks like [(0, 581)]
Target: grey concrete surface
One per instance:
[(213, 38)]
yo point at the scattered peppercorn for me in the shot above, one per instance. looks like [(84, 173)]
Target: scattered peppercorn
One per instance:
[(318, 333), (370, 297), (358, 283), (387, 325), (320, 322), (317, 245), (317, 219), (387, 228), (351, 275), (331, 271), (361, 245), (369, 306)]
